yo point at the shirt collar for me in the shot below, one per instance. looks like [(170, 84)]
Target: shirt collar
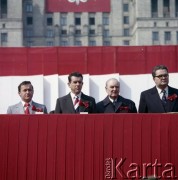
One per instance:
[(112, 100), (160, 90), (23, 103), (73, 95)]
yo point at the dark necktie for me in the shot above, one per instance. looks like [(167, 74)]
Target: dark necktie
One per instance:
[(114, 104), (27, 111), (164, 96)]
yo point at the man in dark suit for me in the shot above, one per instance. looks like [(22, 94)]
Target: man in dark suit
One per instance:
[(114, 103), (26, 105), (75, 101), (161, 98)]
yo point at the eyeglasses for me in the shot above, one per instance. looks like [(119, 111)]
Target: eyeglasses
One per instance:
[(162, 75)]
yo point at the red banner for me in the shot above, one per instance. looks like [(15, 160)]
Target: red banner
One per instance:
[(87, 60), (78, 5)]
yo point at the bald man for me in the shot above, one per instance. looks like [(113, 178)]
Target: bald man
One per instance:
[(114, 103)]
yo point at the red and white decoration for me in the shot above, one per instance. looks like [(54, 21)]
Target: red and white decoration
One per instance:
[(48, 69)]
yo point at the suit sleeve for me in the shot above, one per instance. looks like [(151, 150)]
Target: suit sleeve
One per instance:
[(142, 104), (134, 109), (45, 110), (93, 108), (100, 107), (57, 108), (9, 111)]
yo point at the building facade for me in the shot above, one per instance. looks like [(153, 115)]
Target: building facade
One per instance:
[(11, 24), (130, 22)]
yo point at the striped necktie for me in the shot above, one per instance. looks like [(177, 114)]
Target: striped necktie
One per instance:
[(76, 102), (27, 111), (164, 97)]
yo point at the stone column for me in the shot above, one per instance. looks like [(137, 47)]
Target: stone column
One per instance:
[(160, 8)]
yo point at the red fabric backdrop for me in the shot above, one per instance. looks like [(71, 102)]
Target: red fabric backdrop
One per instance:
[(75, 147), (78, 6), (92, 60)]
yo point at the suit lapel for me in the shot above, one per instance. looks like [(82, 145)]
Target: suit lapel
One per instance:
[(108, 106), (117, 105), (31, 111), (35, 105), (81, 109), (156, 101), (83, 99), (19, 108), (69, 104), (170, 104), (120, 102)]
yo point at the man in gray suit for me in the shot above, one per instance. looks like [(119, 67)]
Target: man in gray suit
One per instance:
[(26, 105), (75, 101)]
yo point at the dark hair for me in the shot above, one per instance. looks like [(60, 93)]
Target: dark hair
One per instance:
[(23, 83), (76, 74), (157, 68)]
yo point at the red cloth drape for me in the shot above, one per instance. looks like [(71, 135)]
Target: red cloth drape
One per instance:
[(42, 147), (87, 60)]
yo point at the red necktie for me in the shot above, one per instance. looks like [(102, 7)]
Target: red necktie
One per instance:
[(27, 108), (76, 102)]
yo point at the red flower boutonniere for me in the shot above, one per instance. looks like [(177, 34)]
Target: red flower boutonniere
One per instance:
[(124, 109), (37, 109), (85, 104), (172, 97)]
